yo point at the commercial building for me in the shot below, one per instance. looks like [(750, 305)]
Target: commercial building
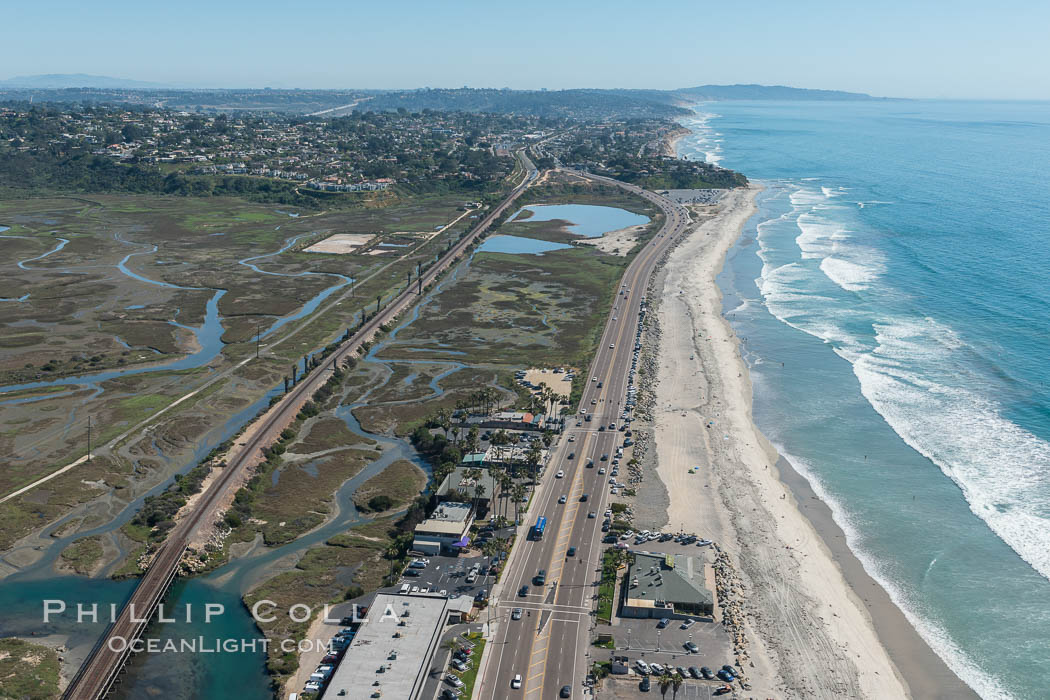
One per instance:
[(666, 585), (445, 530), (392, 651)]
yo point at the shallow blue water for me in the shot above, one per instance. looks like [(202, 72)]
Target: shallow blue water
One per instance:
[(588, 220), (892, 295), (519, 244)]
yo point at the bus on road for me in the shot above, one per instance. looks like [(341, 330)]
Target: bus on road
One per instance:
[(538, 528)]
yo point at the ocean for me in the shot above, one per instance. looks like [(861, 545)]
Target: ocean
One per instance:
[(893, 299)]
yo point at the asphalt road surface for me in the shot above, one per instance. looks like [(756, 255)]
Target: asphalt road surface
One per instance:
[(549, 646)]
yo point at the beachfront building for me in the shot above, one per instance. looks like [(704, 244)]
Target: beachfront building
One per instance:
[(666, 585), (446, 530), (459, 486)]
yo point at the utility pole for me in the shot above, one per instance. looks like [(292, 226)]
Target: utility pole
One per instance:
[(89, 438), (258, 337)]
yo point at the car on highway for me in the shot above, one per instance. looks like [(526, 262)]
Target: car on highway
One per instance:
[(566, 692), (601, 428), (584, 497), (563, 499), (515, 682), (600, 471), (515, 614), (571, 552), (523, 591), (540, 578), (572, 455), (559, 475), (612, 345), (605, 458), (592, 514)]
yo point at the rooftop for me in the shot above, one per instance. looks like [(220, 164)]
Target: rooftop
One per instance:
[(670, 578), (392, 650)]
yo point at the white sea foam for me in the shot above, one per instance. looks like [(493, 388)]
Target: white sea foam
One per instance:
[(961, 663), (851, 276), (916, 381), (916, 376)]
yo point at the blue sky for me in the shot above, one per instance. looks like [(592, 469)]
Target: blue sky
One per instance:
[(908, 49)]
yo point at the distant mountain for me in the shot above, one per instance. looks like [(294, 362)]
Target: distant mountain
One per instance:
[(766, 92), (60, 81)]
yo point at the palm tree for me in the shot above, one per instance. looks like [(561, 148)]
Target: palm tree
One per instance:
[(517, 493), (665, 683), (676, 683), (473, 439)]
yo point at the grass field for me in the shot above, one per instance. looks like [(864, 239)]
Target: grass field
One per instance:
[(28, 671), (401, 482)]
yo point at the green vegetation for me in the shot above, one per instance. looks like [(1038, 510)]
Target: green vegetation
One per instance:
[(612, 560), (83, 555), (393, 487), (318, 578), (471, 674), (28, 671)]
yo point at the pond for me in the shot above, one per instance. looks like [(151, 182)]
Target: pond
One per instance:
[(587, 220)]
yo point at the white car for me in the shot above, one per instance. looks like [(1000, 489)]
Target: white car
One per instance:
[(453, 680), (642, 666), (559, 475), (515, 682)]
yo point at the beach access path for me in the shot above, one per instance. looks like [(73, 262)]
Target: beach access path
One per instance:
[(808, 633)]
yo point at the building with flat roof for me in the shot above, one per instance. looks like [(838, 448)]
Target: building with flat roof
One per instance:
[(459, 485), (447, 528), (392, 651), (666, 585)]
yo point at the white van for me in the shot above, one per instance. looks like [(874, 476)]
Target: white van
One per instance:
[(404, 589)]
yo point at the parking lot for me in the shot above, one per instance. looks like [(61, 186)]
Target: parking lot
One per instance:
[(643, 639), (450, 574), (624, 687)]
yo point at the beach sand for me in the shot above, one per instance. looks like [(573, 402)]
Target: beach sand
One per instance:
[(805, 632)]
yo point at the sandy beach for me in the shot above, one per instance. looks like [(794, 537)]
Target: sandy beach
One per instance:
[(804, 632)]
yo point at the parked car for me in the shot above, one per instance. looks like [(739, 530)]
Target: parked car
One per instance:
[(707, 673), (662, 623), (645, 685), (691, 647), (642, 667), (725, 675), (453, 680), (688, 623), (695, 672)]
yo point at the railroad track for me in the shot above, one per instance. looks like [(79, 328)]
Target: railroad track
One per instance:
[(103, 665)]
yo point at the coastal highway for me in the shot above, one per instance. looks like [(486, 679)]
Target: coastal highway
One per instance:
[(108, 657), (548, 646)]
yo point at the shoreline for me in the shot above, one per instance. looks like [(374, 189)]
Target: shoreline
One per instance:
[(800, 581)]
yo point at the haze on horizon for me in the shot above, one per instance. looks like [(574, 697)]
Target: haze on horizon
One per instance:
[(892, 48)]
